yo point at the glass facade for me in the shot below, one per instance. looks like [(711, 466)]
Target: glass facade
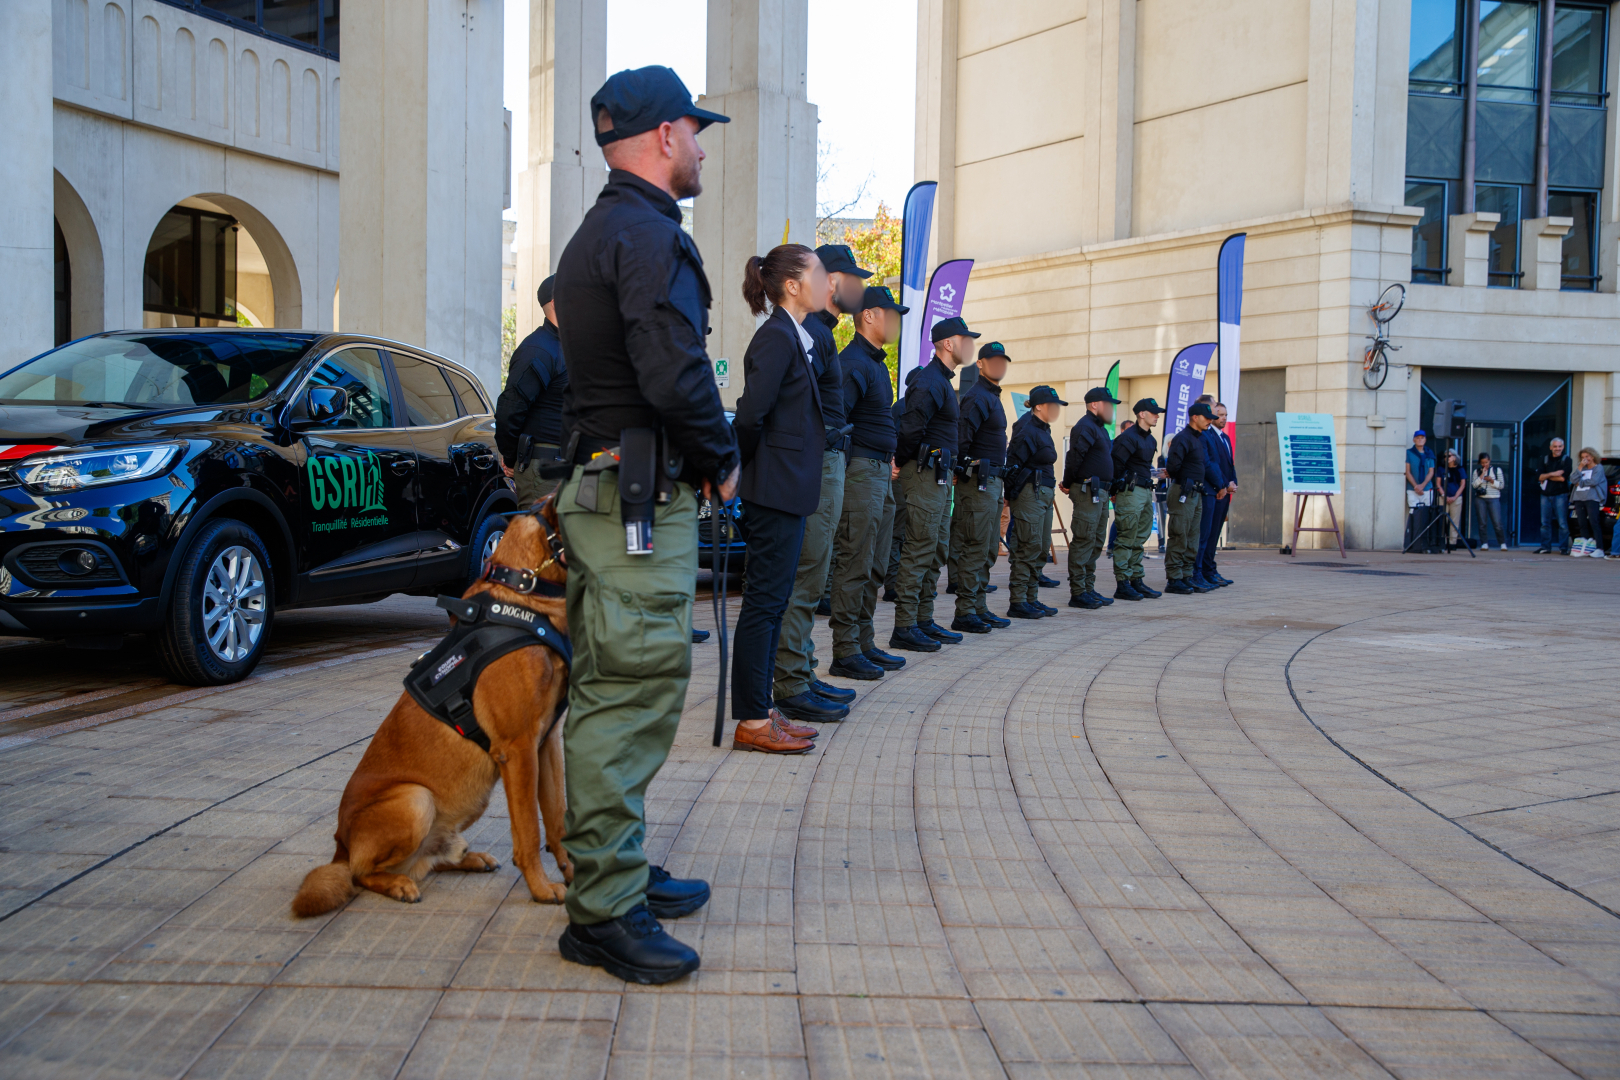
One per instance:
[(1505, 171), (310, 24)]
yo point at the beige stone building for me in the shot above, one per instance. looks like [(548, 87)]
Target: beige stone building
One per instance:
[(1092, 155)]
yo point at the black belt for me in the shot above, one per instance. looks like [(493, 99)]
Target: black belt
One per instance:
[(868, 452)]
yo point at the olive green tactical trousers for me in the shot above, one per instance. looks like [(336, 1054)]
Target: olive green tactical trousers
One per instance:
[(975, 525), (630, 623), (1133, 510), (861, 553), (897, 537), (1181, 550), (928, 545), (531, 486), (1089, 534), (1029, 517), (795, 654)]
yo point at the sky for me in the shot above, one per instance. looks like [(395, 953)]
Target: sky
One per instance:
[(862, 79)]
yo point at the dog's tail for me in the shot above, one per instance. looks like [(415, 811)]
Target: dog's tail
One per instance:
[(325, 888)]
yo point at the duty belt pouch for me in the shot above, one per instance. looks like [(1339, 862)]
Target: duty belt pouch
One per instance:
[(942, 469), (672, 463), (638, 487), (563, 466)]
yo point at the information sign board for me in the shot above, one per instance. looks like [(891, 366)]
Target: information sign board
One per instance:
[(1310, 457)]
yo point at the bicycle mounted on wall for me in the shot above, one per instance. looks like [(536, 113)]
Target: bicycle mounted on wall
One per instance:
[(1375, 364)]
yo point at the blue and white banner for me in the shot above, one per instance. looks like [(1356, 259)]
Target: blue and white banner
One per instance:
[(916, 221), (1229, 305), (1187, 373)]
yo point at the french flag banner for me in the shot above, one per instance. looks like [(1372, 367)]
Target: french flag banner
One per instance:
[(916, 221), (1229, 305)]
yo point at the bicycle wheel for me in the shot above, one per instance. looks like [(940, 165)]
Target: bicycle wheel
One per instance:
[(1390, 302), (1374, 368)]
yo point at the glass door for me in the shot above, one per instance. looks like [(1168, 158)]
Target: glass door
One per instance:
[(1501, 441)]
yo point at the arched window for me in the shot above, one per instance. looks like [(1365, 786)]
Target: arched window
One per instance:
[(190, 277)]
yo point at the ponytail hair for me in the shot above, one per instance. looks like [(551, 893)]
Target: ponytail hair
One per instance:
[(765, 279)]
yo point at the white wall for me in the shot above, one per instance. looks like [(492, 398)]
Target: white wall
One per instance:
[(27, 241)]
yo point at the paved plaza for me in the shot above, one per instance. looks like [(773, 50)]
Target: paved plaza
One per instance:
[(1343, 819)]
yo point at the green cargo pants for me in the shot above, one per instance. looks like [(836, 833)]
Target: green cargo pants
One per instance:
[(1181, 550), (928, 545), (1088, 535), (897, 537), (975, 528), (1029, 517), (630, 623), (861, 553), (795, 654), (531, 486), (1133, 511)]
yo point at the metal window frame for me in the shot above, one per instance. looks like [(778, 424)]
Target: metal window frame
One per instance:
[(256, 26), (1445, 209), (196, 214)]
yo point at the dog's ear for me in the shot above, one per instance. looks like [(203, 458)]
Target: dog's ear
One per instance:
[(523, 545), (553, 571)]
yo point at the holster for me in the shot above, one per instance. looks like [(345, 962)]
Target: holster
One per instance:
[(639, 462), (525, 449), (838, 438)]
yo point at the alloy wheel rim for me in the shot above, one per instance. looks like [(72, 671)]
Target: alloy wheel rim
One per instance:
[(490, 545), (234, 604)]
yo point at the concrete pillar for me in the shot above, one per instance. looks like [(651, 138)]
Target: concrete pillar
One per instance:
[(936, 117), (1542, 254), (424, 166), (1589, 411), (759, 181), (1109, 147), (1468, 248), (565, 170), (27, 239)]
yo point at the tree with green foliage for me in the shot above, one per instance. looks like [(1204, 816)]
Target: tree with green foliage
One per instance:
[(877, 248)]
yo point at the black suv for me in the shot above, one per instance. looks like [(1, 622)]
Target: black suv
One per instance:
[(190, 483)]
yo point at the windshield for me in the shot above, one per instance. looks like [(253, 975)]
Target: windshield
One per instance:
[(156, 370)]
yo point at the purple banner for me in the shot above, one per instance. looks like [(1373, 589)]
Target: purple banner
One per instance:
[(947, 291), (1187, 373)]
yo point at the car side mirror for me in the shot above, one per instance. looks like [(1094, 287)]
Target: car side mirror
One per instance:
[(323, 404)]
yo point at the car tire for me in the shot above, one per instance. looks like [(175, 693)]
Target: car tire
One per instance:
[(223, 604), (485, 539)]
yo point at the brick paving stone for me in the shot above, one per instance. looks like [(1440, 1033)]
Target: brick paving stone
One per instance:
[(1111, 844)]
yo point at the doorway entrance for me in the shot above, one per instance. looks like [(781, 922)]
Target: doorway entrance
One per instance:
[(1501, 441)]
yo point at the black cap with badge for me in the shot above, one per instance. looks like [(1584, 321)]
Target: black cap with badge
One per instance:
[(1202, 409), (838, 259), (1100, 393), (1044, 395), (543, 294), (879, 296), (1147, 404), (955, 326), (641, 99), (994, 348)]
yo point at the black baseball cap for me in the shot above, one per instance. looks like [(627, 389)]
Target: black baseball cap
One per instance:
[(879, 296), (639, 100), (952, 327), (1100, 393), (545, 290), (994, 348), (1202, 409), (1147, 404), (1044, 395), (838, 259)]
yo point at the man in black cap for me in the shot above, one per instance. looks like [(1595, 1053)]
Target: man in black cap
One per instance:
[(635, 304), (976, 518), (1030, 479), (925, 450), (1088, 477), (798, 694), (1188, 468), (1133, 500), (864, 527), (528, 415)]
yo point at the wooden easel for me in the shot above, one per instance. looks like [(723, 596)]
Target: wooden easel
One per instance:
[(1301, 501)]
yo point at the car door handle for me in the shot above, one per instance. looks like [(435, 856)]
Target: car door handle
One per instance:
[(483, 461), (404, 465)]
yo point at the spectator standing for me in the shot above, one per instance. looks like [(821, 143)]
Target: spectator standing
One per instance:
[(1553, 476), (1451, 481), (1419, 490), (1488, 486), (1586, 503)]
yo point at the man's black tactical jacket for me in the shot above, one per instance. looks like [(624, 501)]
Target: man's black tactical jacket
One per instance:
[(536, 385), (931, 415), (982, 431)]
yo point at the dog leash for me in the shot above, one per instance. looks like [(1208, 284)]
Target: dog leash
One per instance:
[(717, 595)]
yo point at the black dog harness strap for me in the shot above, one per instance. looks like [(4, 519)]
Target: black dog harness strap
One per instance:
[(442, 681)]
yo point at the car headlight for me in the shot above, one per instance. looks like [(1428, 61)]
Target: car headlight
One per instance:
[(61, 472)]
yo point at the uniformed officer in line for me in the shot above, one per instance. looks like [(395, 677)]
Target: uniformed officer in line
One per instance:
[(1088, 477), (1134, 475), (925, 450), (1187, 467), (976, 518), (634, 302), (861, 555), (897, 542), (528, 414), (799, 695), (1031, 455)]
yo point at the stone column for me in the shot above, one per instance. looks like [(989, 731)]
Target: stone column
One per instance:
[(27, 240), (1542, 254), (565, 170), (424, 166), (1468, 248), (1109, 147), (759, 181)]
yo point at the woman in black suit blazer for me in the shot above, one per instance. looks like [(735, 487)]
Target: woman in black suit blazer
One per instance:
[(780, 433)]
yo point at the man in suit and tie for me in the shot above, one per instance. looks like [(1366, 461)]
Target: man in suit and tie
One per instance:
[(1218, 449)]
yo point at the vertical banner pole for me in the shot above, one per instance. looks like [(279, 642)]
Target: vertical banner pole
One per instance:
[(1229, 308), (916, 221)]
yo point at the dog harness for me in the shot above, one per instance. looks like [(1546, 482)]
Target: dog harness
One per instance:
[(443, 679)]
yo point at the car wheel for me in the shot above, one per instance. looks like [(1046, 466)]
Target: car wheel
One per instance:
[(220, 614), (486, 538)]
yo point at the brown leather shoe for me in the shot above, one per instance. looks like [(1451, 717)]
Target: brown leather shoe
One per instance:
[(797, 731), (769, 739)]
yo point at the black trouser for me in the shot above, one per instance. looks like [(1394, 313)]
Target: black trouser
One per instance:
[(1209, 528), (774, 539), (1588, 515)]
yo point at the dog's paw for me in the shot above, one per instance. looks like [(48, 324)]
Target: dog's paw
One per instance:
[(480, 862), (405, 891), (548, 892)]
